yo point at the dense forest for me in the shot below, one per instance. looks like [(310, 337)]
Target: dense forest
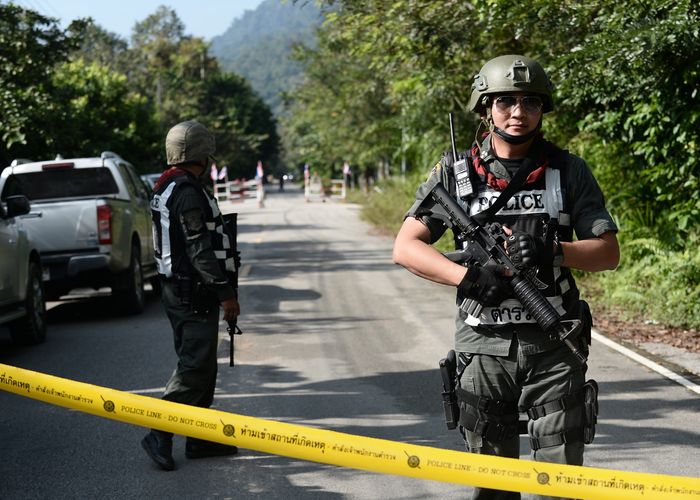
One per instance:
[(384, 74), (82, 90)]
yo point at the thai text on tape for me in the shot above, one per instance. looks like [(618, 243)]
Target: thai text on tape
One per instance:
[(330, 447)]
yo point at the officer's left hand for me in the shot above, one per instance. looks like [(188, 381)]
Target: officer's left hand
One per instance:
[(231, 309), (524, 250)]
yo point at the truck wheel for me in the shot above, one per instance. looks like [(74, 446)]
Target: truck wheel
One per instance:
[(31, 329), (131, 295)]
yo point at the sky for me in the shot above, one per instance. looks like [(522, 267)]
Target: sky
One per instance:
[(202, 18)]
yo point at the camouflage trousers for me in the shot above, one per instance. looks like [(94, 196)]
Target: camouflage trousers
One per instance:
[(528, 380)]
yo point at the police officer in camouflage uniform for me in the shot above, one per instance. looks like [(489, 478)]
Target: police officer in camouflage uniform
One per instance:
[(195, 258), (506, 363)]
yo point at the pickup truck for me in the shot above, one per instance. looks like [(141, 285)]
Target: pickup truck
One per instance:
[(91, 222), (22, 306)]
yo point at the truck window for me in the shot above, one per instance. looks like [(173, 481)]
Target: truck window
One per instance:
[(141, 187), (139, 190), (128, 181), (64, 183)]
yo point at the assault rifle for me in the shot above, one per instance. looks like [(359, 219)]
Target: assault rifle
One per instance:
[(486, 245), (231, 227)]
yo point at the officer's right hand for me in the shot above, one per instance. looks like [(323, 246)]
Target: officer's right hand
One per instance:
[(487, 284), (524, 250), (231, 309)]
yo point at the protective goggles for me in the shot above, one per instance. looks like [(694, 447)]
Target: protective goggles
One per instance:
[(530, 103)]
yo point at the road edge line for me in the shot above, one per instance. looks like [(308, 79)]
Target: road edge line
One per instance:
[(662, 370)]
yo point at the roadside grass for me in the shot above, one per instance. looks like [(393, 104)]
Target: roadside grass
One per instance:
[(655, 283), (386, 204)]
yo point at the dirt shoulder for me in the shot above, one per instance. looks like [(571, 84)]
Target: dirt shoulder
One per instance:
[(676, 349), (639, 331)]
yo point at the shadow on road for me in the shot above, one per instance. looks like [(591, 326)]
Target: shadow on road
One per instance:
[(306, 257)]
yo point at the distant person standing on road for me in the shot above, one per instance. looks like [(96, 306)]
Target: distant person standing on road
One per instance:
[(281, 183), (195, 261), (506, 362), (347, 175), (260, 184), (307, 183)]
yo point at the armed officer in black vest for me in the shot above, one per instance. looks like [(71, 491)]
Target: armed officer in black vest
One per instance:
[(507, 362), (195, 259)]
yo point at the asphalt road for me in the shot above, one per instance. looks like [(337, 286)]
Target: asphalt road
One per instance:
[(335, 336)]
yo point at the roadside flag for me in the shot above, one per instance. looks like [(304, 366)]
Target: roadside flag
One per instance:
[(223, 172), (214, 172)]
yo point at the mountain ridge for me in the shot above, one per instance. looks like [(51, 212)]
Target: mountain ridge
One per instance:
[(258, 45)]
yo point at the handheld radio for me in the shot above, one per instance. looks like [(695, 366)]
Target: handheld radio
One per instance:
[(460, 169)]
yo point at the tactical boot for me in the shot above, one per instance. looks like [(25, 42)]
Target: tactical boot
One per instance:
[(198, 448), (159, 446)]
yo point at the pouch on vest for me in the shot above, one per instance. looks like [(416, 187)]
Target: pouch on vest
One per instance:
[(448, 371), (183, 289), (193, 294), (203, 299)]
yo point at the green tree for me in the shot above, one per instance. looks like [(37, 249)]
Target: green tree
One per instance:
[(30, 46), (625, 77), (633, 85), (56, 102), (155, 41), (340, 112), (82, 91), (183, 82), (243, 124), (105, 48), (98, 112)]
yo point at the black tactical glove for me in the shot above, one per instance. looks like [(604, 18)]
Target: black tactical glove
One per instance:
[(487, 285), (526, 251)]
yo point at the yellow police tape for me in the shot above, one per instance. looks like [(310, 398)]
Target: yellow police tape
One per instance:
[(377, 455)]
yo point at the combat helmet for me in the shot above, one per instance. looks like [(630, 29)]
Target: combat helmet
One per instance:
[(510, 73), (187, 142)]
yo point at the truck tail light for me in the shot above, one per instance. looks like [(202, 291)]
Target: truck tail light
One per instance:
[(104, 224)]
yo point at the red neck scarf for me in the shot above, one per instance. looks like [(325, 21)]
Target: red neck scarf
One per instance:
[(167, 175), (482, 169)]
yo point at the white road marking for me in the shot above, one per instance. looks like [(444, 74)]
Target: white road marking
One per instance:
[(647, 362)]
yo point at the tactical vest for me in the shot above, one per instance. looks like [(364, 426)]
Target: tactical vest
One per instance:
[(533, 209), (168, 237)]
